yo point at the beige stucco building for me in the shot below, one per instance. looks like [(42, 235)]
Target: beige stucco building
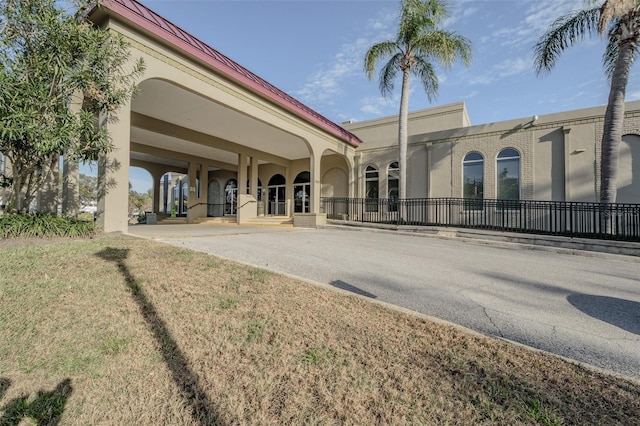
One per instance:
[(551, 157), (243, 148)]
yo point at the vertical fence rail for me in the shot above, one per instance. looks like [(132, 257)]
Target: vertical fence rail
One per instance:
[(576, 219)]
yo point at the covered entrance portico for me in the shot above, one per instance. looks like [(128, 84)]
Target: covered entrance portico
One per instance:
[(199, 113)]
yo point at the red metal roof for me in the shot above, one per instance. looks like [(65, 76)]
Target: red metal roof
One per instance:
[(145, 18)]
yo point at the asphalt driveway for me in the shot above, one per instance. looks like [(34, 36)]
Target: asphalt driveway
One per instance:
[(585, 308)]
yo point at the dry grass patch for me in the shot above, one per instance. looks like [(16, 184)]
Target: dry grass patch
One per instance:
[(124, 331)]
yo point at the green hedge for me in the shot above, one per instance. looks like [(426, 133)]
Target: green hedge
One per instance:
[(44, 225)]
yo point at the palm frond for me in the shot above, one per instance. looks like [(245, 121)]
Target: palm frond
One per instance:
[(425, 71), (564, 32), (612, 50), (444, 46), (376, 53), (419, 17), (388, 74)]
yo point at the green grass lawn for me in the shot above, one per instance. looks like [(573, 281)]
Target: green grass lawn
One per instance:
[(116, 330)]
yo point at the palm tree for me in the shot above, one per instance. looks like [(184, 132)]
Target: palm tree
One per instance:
[(619, 21), (418, 42)]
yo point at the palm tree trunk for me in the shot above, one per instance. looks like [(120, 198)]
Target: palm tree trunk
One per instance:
[(403, 123), (613, 124)]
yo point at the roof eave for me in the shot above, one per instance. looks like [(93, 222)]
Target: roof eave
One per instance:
[(221, 64)]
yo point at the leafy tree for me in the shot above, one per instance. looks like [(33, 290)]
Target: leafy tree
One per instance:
[(59, 74), (139, 201), (419, 41), (88, 189), (619, 22)]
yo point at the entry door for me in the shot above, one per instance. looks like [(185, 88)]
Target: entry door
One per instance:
[(230, 202), (301, 198), (277, 200)]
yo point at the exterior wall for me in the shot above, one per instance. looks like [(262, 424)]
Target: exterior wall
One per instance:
[(559, 155), (377, 133)]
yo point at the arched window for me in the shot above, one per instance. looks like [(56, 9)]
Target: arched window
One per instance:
[(371, 188), (628, 180), (371, 182), (393, 174), (301, 192), (473, 180), (508, 174)]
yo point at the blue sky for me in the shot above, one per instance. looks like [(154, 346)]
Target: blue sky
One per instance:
[(313, 50)]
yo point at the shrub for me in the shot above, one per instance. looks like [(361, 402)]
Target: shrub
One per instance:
[(44, 225)]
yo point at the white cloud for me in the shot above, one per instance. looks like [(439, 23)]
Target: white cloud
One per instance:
[(378, 105), (633, 96), (327, 83), (507, 68), (539, 15), (471, 94)]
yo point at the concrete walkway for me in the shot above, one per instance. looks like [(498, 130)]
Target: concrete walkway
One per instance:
[(585, 308)]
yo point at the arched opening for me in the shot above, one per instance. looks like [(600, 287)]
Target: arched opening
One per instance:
[(277, 195), (173, 194), (302, 192), (231, 197), (335, 172)]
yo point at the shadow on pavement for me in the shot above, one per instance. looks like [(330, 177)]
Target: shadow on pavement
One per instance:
[(622, 313), (353, 289)]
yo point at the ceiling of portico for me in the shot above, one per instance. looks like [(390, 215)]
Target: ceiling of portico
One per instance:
[(182, 109)]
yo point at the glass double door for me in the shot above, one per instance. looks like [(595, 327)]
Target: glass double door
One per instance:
[(301, 198), (277, 200)]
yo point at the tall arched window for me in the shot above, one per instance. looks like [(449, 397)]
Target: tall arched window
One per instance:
[(371, 188), (393, 174), (508, 174), (473, 180), (628, 180)]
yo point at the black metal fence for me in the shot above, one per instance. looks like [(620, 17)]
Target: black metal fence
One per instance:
[(575, 219)]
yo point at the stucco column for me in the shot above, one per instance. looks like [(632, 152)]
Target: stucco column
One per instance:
[(195, 207), (316, 188), (567, 166), (156, 176), (357, 191), (288, 191), (113, 175), (254, 177), (70, 187), (242, 173)]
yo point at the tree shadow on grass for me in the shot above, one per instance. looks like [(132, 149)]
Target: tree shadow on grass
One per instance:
[(45, 409), (202, 408)]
